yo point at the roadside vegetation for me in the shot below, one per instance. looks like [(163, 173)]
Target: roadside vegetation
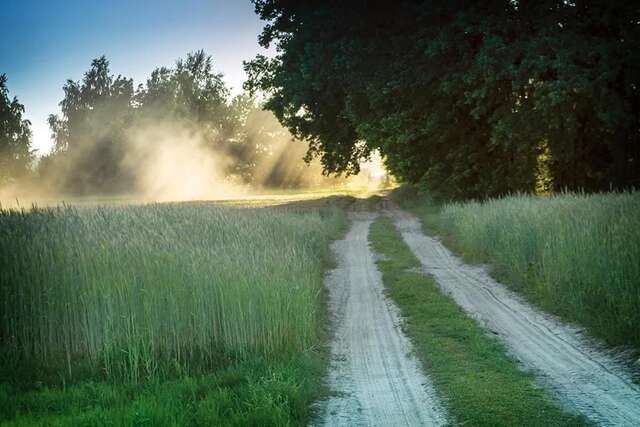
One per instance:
[(162, 314), (575, 255), (480, 384)]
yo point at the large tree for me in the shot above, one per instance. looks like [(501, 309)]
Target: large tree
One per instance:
[(192, 93), (16, 154), (89, 137), (468, 98)]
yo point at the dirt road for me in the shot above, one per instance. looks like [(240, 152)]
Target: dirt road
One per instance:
[(582, 377), (377, 379)]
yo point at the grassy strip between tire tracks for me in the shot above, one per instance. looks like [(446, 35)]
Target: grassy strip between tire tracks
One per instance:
[(480, 384)]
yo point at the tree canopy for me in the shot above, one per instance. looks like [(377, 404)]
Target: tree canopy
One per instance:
[(471, 99), (15, 137), (89, 137)]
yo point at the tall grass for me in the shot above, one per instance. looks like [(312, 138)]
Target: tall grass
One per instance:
[(131, 293), (577, 255)]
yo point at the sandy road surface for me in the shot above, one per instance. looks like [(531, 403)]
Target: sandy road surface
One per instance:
[(582, 377), (377, 380)]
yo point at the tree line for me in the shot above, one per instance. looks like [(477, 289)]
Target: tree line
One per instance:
[(468, 99), (103, 113), (16, 154)]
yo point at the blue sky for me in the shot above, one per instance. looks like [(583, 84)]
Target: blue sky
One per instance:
[(44, 43)]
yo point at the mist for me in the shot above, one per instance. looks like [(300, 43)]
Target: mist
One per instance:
[(179, 136), (170, 162)]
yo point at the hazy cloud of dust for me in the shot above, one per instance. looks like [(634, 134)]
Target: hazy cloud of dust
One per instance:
[(171, 162)]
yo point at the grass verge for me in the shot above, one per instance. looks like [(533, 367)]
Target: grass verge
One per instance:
[(480, 384), (252, 392)]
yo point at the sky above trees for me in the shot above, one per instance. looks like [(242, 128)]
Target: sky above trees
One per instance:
[(43, 43)]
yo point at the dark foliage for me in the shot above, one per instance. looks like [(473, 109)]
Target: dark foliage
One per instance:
[(15, 137), (472, 99)]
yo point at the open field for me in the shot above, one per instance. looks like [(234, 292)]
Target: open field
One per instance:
[(206, 313), (246, 198), (137, 295)]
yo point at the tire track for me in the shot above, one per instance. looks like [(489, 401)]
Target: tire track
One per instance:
[(584, 378), (377, 379)]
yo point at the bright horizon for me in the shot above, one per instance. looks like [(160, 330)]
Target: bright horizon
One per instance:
[(44, 44)]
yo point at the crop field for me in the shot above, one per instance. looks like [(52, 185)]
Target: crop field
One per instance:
[(205, 313), (131, 296), (576, 255)]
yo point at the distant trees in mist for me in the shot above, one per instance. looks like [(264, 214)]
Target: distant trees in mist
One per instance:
[(469, 99), (89, 136), (108, 129), (16, 155), (101, 113)]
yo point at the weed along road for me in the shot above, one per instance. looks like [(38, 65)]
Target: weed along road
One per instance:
[(375, 378), (584, 378)]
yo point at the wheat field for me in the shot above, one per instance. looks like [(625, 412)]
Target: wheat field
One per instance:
[(577, 255), (142, 292)]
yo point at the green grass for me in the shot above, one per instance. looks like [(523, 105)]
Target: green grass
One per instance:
[(480, 384), (147, 301), (574, 255), (256, 392)]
